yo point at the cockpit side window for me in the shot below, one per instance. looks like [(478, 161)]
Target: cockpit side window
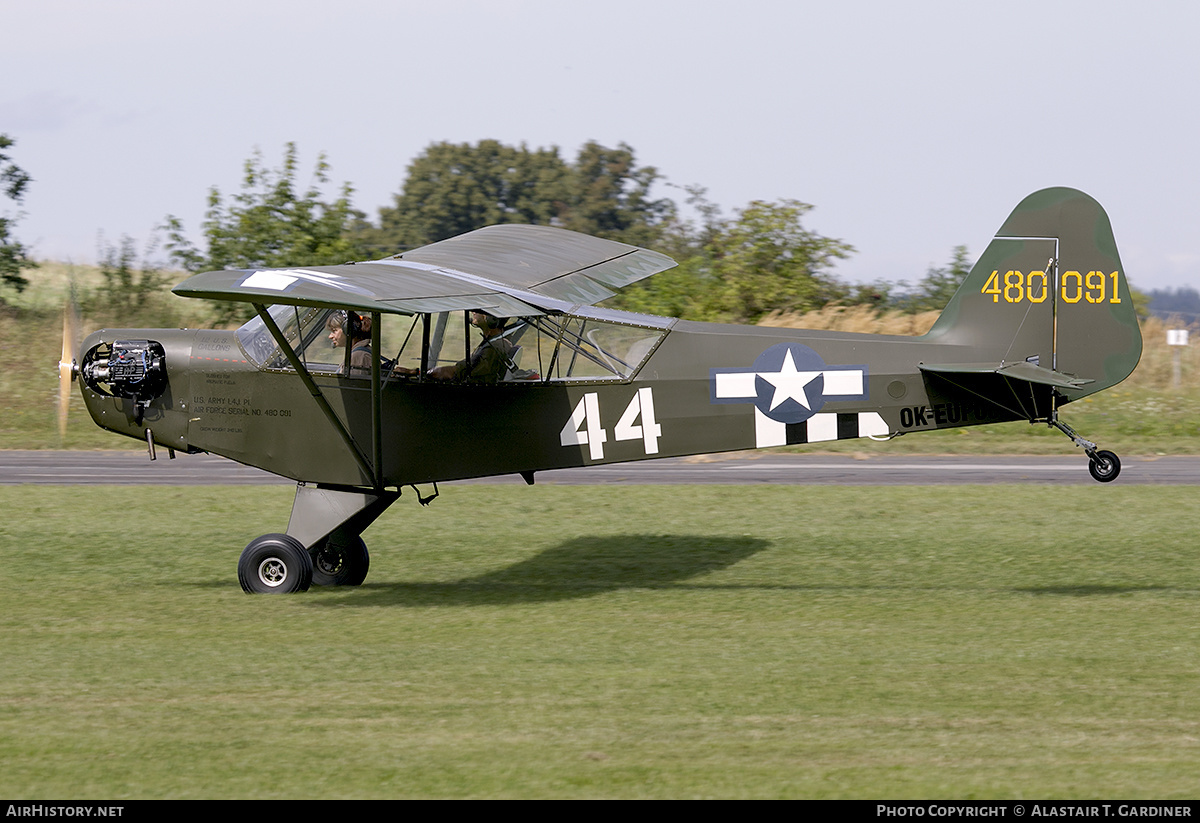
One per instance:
[(543, 348), (561, 348)]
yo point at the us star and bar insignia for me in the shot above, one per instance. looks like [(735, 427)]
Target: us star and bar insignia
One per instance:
[(789, 384)]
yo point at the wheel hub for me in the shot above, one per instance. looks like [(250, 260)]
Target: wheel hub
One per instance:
[(330, 560), (272, 572)]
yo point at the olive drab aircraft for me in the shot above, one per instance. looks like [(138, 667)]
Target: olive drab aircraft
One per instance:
[(488, 354)]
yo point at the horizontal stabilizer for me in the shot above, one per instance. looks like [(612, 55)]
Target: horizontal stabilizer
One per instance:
[(1023, 389), (1028, 372)]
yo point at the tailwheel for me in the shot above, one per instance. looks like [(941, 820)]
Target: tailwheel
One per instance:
[(275, 564), (1104, 466), (339, 560)]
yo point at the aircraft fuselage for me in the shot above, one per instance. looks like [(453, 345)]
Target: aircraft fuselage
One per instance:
[(705, 388)]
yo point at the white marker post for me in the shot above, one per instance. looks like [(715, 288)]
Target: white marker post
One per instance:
[(1177, 339)]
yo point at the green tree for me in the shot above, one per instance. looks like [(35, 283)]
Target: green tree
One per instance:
[(741, 269), (452, 188), (129, 286), (269, 223), (938, 285), (769, 262), (610, 197), (14, 257)]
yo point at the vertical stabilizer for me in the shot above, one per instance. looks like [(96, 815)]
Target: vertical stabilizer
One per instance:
[(1050, 291)]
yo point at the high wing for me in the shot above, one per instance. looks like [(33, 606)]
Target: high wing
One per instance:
[(506, 270)]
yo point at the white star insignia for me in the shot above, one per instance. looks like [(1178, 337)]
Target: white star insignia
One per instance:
[(789, 383)]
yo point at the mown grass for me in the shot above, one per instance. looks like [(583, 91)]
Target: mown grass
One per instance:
[(662, 642)]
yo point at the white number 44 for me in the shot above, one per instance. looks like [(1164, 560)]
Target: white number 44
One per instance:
[(636, 423)]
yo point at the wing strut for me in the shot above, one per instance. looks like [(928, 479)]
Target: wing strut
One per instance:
[(376, 399), (313, 389)]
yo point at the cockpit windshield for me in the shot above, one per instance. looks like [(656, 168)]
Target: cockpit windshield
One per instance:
[(309, 332)]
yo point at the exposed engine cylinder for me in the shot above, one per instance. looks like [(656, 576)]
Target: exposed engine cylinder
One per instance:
[(135, 369)]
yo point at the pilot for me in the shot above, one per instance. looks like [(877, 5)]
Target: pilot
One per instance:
[(489, 361), (348, 326)]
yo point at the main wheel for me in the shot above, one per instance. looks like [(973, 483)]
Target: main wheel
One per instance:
[(1105, 466), (275, 564), (340, 561)]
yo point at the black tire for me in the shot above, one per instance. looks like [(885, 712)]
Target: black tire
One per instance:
[(340, 561), (1105, 466), (275, 564)]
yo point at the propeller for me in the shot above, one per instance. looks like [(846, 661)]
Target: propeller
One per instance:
[(67, 367)]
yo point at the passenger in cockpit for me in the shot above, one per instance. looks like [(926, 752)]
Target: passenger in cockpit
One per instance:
[(489, 361), (348, 328)]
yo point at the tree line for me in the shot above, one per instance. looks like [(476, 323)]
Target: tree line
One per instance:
[(732, 268), (14, 256), (1180, 304)]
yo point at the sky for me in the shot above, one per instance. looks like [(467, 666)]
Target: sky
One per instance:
[(910, 127)]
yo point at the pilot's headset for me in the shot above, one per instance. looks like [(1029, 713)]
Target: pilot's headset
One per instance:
[(352, 325), (491, 323)]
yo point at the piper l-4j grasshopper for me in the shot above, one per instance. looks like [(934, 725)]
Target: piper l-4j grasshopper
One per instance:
[(1043, 319)]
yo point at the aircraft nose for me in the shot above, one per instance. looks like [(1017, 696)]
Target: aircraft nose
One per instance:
[(126, 387)]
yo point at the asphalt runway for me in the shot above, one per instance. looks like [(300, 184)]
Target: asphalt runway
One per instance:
[(135, 468)]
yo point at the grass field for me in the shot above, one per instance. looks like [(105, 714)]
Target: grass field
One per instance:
[(652, 642)]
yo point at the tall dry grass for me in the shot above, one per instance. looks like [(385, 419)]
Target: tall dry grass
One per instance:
[(1157, 367), (860, 319)]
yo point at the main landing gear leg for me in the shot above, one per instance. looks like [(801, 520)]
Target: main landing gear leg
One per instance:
[(330, 522), (1103, 465), (323, 544)]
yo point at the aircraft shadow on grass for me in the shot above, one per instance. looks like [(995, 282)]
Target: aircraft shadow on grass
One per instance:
[(583, 567)]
